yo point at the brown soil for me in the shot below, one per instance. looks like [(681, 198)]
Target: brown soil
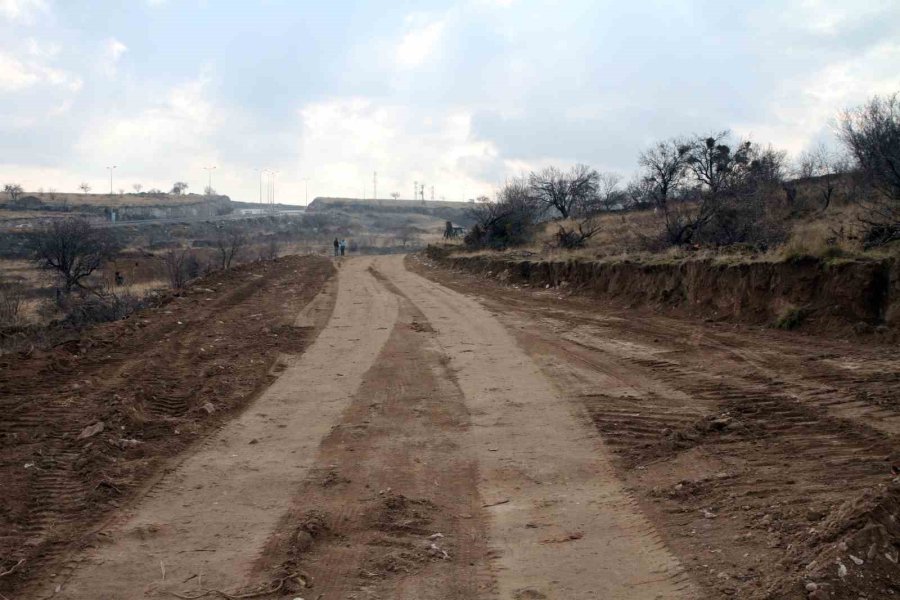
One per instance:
[(445, 437), (826, 297), (764, 458), (391, 508), (89, 422)]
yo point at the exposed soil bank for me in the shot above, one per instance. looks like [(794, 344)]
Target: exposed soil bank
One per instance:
[(807, 293)]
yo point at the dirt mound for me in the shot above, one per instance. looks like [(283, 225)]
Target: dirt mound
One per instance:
[(853, 553), (397, 513), (86, 422)]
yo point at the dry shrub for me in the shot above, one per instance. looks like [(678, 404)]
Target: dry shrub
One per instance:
[(181, 266), (11, 301)]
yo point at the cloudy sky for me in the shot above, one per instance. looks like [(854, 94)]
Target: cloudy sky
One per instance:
[(458, 95)]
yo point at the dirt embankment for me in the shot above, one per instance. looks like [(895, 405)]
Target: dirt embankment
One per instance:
[(86, 424), (809, 293)]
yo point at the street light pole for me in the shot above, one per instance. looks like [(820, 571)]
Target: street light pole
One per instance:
[(272, 201), (110, 169), (306, 191), (260, 171)]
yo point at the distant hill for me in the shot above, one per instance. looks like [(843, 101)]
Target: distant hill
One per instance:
[(457, 212), (405, 204), (58, 200), (125, 207)]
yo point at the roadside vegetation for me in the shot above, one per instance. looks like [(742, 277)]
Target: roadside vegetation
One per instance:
[(713, 194)]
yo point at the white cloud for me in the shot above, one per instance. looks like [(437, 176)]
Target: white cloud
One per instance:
[(113, 50), (169, 140), (42, 50), (22, 10), (418, 44), (344, 140), (802, 110), (16, 75)]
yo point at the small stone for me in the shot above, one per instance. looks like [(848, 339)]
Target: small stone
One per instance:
[(91, 430), (811, 587), (856, 559), (209, 408)]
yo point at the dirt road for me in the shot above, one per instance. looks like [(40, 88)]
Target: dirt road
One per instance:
[(446, 438)]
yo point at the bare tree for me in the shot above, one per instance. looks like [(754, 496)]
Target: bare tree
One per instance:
[(230, 240), (177, 263), (663, 182), (664, 170), (395, 195), (84, 187), (137, 187), (767, 167), (179, 187), (13, 190), (609, 197), (871, 133), (508, 222), (715, 166), (567, 192), (716, 171), (271, 250), (209, 191), (826, 167), (73, 249)]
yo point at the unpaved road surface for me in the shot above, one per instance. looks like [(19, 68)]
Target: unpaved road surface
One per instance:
[(447, 438)]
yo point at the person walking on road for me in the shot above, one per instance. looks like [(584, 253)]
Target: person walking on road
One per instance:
[(336, 245), (343, 246)]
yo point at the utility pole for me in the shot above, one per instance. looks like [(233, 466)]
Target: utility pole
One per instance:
[(306, 191), (415, 190), (209, 171), (110, 169), (374, 185), (432, 193)]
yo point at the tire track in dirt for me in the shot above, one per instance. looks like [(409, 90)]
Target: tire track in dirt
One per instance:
[(393, 496), (562, 525), (56, 486), (759, 455), (207, 516)]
